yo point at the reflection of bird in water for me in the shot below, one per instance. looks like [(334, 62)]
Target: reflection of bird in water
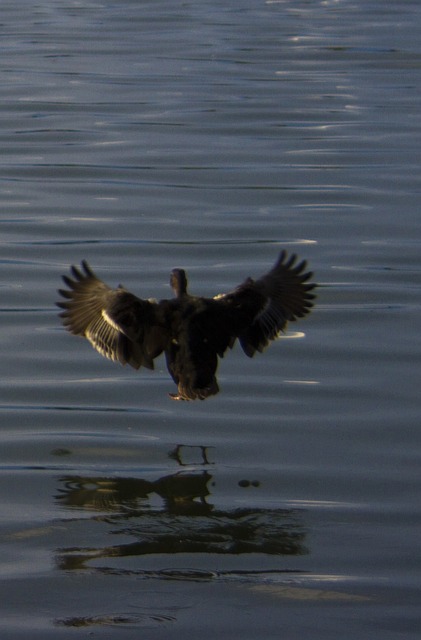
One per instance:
[(192, 331), (181, 493), (182, 523)]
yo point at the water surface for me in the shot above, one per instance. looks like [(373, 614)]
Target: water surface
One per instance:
[(145, 136)]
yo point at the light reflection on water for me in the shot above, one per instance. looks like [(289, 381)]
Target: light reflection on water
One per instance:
[(146, 136)]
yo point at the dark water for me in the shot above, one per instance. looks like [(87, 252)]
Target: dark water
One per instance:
[(148, 135)]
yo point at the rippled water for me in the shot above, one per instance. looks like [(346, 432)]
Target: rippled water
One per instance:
[(144, 136)]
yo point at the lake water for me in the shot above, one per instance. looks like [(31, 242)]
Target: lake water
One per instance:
[(144, 136)]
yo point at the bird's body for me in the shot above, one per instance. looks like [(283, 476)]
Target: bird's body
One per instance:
[(192, 331)]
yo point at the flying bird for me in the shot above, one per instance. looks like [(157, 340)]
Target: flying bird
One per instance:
[(192, 331)]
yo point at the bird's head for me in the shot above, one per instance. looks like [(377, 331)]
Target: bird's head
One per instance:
[(178, 282)]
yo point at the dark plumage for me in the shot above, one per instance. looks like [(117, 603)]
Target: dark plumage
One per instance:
[(192, 331)]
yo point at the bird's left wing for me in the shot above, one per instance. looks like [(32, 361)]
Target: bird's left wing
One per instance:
[(119, 325)]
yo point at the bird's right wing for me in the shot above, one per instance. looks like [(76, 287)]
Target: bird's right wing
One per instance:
[(119, 325), (260, 309)]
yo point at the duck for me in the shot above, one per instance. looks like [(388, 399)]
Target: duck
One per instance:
[(193, 332)]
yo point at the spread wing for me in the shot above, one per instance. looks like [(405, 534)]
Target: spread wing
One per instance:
[(119, 325), (260, 309)]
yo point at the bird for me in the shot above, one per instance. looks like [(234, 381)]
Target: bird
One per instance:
[(194, 332)]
